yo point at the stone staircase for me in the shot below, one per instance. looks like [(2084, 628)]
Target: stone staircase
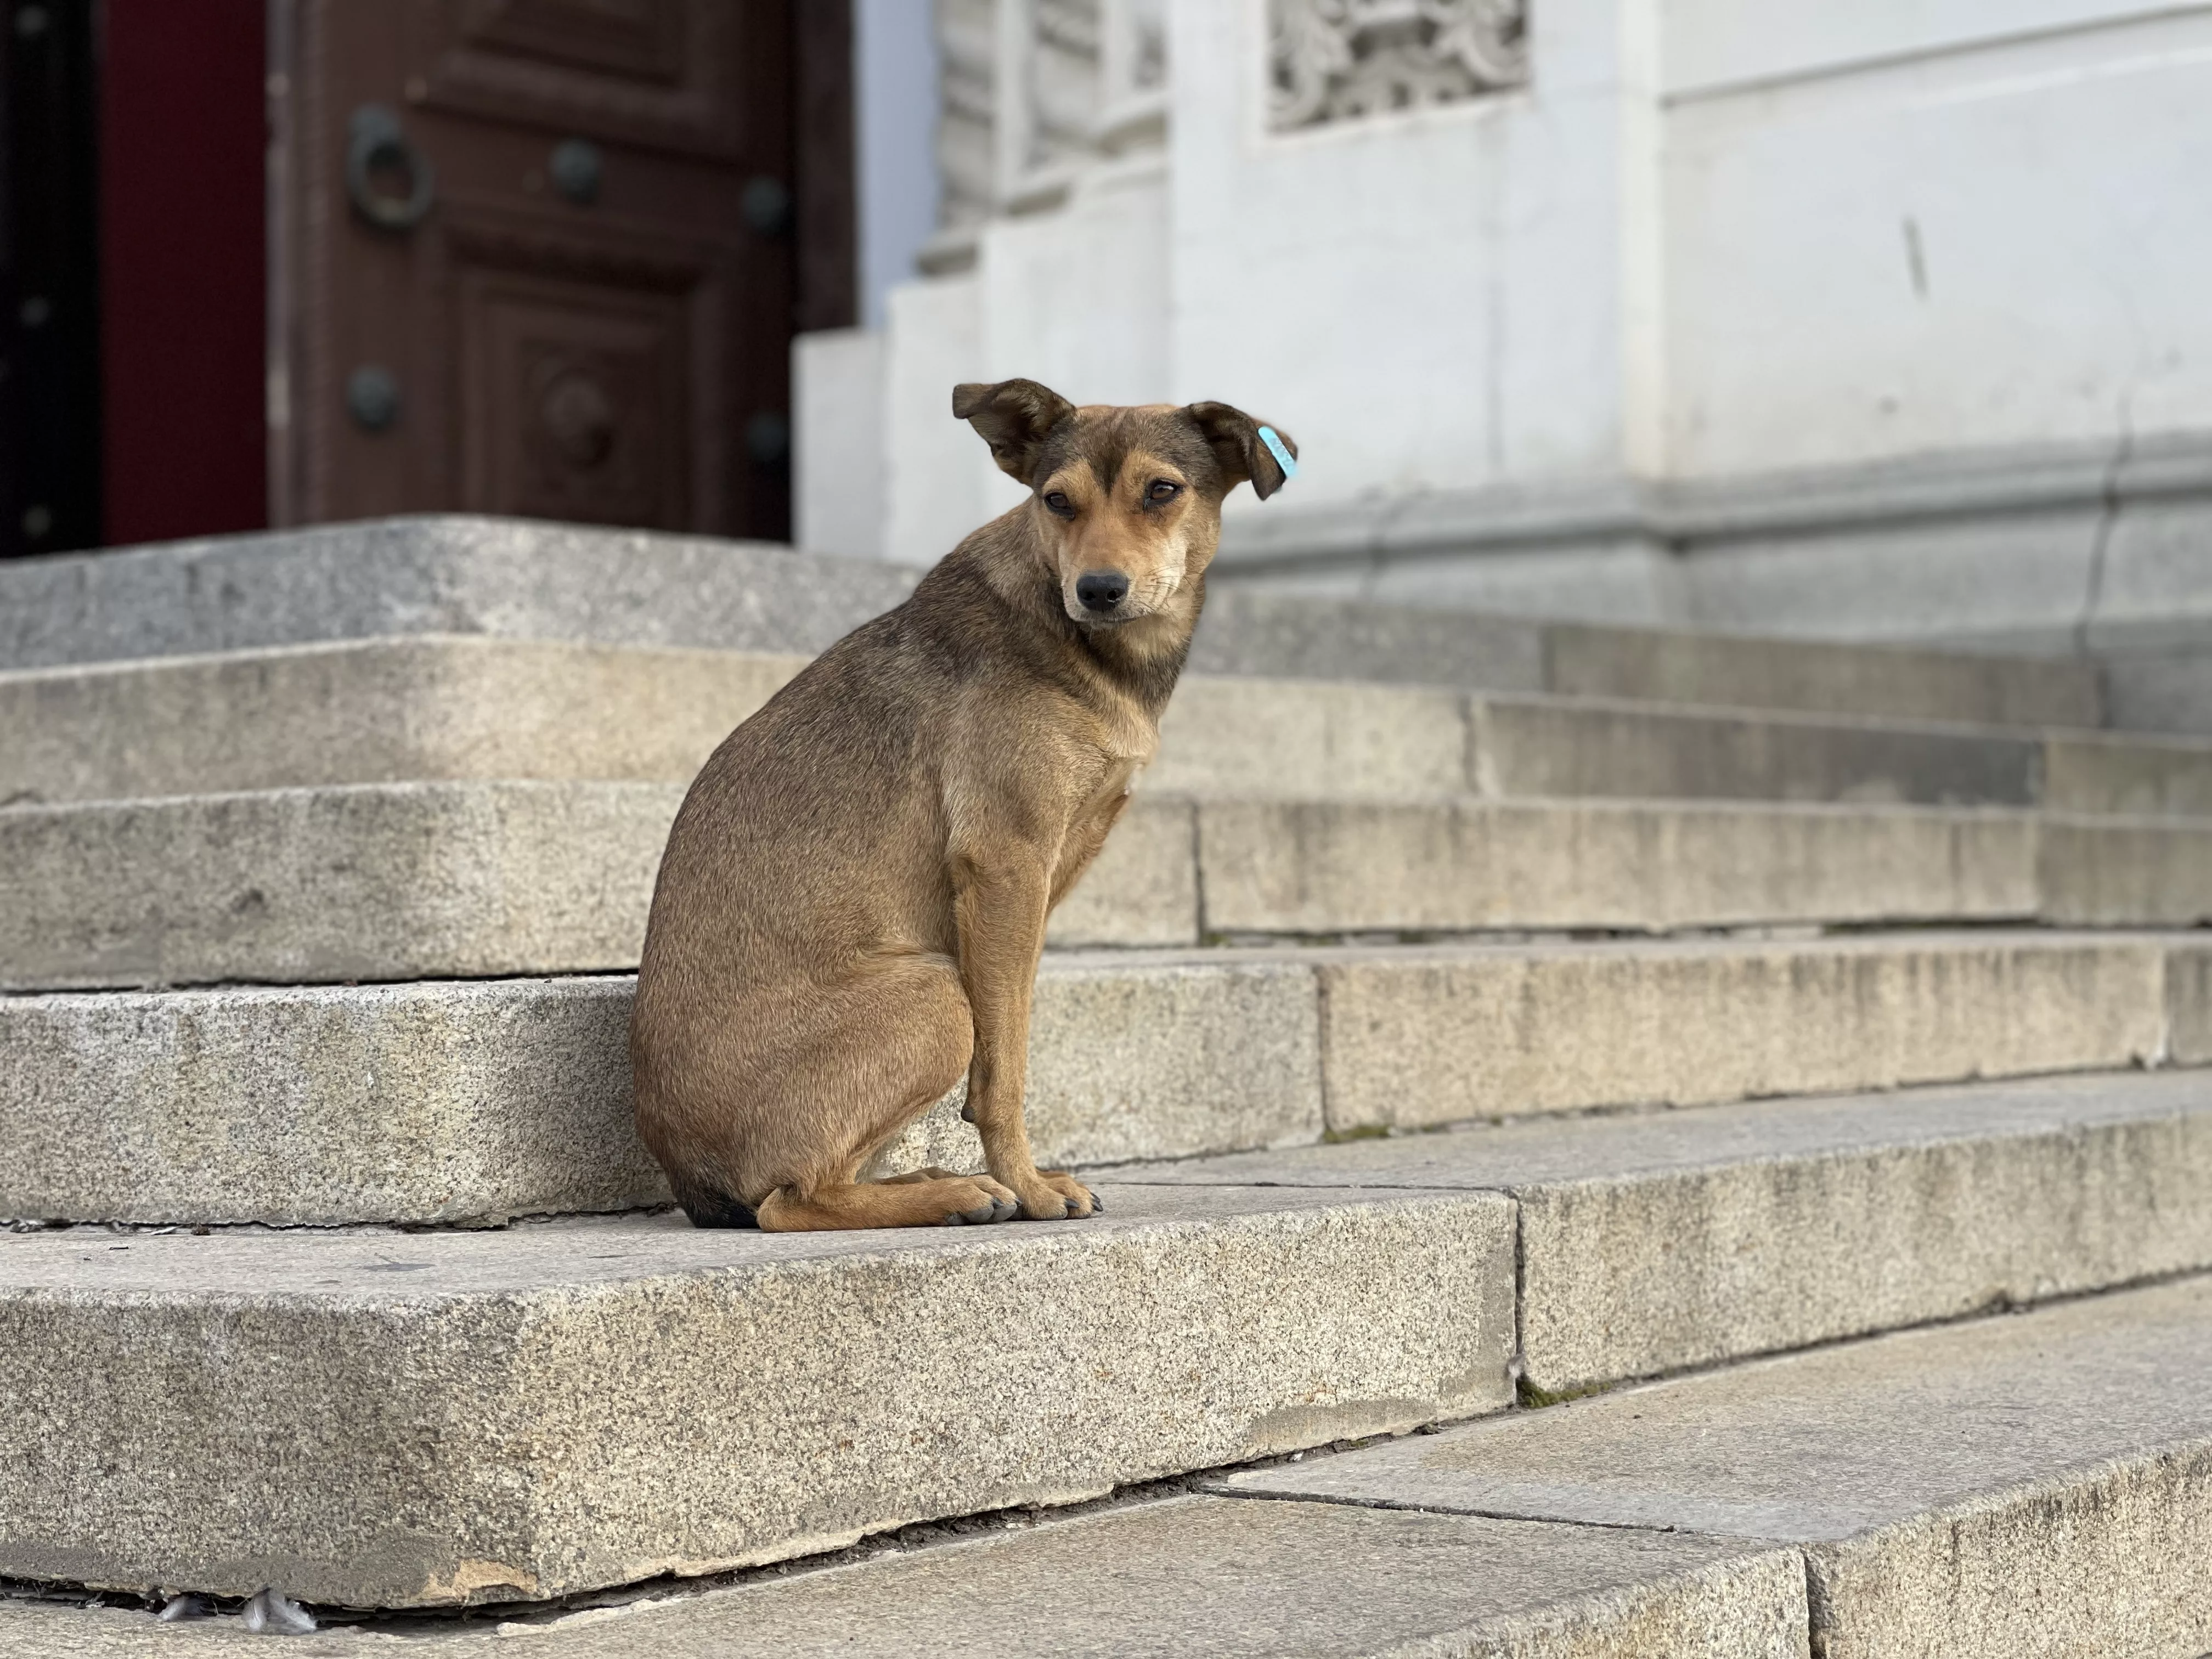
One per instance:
[(1762, 1000)]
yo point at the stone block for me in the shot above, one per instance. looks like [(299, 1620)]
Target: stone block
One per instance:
[(2189, 1004), (445, 1101), (1417, 1036), (436, 573), (1198, 1574), (1558, 747), (1331, 867), (1891, 682), (375, 711), (376, 882), (1654, 1241), (2124, 873), (1284, 739), (418, 881), (2145, 775), (378, 1419), (2033, 1485)]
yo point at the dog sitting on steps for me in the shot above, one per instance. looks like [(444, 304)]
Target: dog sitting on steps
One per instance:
[(851, 908)]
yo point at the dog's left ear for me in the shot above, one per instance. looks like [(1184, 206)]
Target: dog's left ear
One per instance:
[(1234, 437), (1013, 417)]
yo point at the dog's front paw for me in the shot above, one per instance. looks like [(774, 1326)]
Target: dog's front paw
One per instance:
[(1059, 1196), (979, 1201)]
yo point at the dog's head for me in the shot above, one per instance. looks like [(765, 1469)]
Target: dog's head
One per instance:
[(1127, 501)]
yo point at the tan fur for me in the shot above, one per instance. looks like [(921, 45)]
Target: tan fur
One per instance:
[(853, 901)]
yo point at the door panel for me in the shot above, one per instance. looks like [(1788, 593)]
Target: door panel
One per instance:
[(583, 323)]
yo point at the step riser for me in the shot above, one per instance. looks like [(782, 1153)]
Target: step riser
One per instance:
[(532, 580), (460, 1103), (1774, 1255), (463, 1103), (2041, 1484), (421, 881), (452, 1443), (455, 708)]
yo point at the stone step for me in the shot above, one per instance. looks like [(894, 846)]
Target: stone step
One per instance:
[(465, 1102), (457, 707), (2035, 1485), (436, 880), (1200, 1575), (493, 1416), (2029, 1486), (525, 579), (1653, 1242), (384, 1419)]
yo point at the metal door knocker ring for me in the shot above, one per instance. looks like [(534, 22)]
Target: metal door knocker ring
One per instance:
[(374, 141)]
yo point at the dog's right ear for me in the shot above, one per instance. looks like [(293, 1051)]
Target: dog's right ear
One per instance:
[(1013, 417)]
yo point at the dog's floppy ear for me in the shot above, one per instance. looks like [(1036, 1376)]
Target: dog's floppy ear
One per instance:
[(1234, 437), (1013, 417)]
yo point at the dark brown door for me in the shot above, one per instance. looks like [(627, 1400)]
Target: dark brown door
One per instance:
[(535, 257)]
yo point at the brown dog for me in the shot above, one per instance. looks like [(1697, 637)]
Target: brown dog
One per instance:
[(854, 899)]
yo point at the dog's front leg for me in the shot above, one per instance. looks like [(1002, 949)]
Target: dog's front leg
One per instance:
[(1000, 907)]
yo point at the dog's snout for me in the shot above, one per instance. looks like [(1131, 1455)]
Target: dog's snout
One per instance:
[(1102, 589)]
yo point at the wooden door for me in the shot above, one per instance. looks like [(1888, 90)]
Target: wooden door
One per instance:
[(535, 257)]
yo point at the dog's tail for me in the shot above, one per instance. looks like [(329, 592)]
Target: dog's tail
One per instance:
[(709, 1206)]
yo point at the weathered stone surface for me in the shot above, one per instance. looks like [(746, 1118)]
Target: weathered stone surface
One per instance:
[(1324, 867), (2040, 1485), (384, 1419), (2108, 873), (451, 1102), (416, 881), (2135, 773), (375, 711), (475, 706), (1570, 748), (1184, 1576), (1282, 739), (386, 881), (458, 1101), (439, 1101), (1656, 1240), (1418, 1036), (436, 573), (1889, 681), (454, 574), (2189, 1004)]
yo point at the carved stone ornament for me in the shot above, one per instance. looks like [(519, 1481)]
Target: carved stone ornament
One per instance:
[(1334, 60)]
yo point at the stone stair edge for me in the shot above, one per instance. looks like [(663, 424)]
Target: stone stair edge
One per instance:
[(1467, 697)]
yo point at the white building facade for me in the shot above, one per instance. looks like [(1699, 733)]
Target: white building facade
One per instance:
[(1890, 319)]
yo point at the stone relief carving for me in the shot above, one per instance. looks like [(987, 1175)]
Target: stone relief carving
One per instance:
[(1332, 60), (1032, 92)]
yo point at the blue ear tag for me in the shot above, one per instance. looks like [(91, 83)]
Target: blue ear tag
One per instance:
[(1283, 457)]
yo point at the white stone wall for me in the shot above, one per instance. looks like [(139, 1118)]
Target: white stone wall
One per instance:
[(1810, 317)]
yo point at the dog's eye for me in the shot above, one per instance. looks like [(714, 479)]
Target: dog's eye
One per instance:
[(1057, 500), (1161, 490)]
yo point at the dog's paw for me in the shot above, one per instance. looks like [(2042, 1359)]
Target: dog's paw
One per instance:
[(1060, 1197), (990, 1203)]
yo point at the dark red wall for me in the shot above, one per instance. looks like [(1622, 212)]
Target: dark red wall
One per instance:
[(182, 268)]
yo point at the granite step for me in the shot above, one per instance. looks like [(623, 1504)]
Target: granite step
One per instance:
[(527, 579), (2013, 1488), (464, 1102), (467, 1417), (1198, 1574), (393, 1420), (455, 706), (437, 880), (2025, 1487), (1654, 1241)]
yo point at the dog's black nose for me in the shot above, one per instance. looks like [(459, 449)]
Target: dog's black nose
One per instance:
[(1102, 589)]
